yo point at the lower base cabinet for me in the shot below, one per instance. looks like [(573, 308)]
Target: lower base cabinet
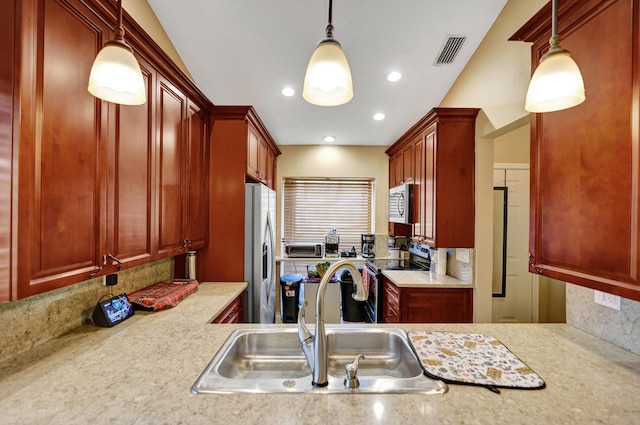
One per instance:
[(234, 313), (426, 305)]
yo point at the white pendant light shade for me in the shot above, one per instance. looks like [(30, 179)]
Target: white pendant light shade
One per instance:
[(327, 81), (116, 76), (556, 84)]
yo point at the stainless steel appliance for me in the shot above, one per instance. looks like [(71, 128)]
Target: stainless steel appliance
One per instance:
[(331, 243), (419, 259), (400, 201), (368, 241), (260, 253), (303, 250)]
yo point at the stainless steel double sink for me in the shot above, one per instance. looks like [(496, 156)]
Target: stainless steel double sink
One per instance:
[(270, 360)]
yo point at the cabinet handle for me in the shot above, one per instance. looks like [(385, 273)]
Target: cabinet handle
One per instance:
[(532, 264), (102, 266)]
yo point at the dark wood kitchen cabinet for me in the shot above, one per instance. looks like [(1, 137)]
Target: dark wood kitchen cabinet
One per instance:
[(234, 313), (426, 305), (235, 130), (261, 157), (585, 161), (443, 144), (85, 173), (401, 163)]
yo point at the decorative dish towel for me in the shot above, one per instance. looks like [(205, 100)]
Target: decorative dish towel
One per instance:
[(474, 359), (163, 295)]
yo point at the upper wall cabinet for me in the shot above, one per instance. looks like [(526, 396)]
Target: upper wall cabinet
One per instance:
[(443, 147), (585, 161), (242, 150), (95, 186)]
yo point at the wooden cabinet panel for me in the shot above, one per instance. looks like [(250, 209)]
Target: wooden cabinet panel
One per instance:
[(585, 163), (443, 146), (62, 150), (7, 78), (427, 305), (132, 192), (260, 158), (253, 153), (92, 181), (234, 312), (235, 129), (171, 108), (196, 179)]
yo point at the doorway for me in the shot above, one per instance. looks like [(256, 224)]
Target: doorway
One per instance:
[(515, 290)]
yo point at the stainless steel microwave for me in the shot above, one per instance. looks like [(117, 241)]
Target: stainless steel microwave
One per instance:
[(400, 201)]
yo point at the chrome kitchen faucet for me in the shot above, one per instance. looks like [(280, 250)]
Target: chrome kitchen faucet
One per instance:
[(315, 347)]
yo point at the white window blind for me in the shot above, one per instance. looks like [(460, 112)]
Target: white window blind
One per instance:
[(314, 206)]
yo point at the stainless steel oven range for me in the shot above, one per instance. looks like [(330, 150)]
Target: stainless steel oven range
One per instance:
[(419, 259)]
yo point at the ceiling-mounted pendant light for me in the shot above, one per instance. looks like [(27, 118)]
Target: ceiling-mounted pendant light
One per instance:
[(115, 75), (557, 83), (327, 81)]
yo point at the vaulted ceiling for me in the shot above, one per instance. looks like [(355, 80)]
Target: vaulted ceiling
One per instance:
[(245, 52)]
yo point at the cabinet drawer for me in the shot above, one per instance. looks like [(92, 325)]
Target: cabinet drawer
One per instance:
[(233, 313)]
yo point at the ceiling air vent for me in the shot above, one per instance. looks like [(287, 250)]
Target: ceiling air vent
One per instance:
[(450, 49)]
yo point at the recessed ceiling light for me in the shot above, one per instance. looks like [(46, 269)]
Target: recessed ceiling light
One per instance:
[(288, 91), (329, 139), (394, 76), (379, 116)]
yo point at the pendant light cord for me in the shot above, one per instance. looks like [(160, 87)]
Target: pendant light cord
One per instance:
[(329, 28), (119, 29), (554, 17)]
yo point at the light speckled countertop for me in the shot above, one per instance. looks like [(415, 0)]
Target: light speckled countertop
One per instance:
[(140, 372), (422, 279)]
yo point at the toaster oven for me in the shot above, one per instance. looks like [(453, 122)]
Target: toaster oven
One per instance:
[(303, 250)]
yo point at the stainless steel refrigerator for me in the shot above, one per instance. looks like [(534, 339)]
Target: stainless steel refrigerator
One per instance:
[(260, 253)]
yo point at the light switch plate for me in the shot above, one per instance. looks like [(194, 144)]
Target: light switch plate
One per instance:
[(462, 254), (607, 300)]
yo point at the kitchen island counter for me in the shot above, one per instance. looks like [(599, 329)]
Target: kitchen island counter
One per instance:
[(140, 372)]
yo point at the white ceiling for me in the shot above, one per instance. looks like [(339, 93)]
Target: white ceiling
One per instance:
[(244, 52)]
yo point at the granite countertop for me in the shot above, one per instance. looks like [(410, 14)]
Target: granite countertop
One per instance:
[(140, 372), (423, 279)]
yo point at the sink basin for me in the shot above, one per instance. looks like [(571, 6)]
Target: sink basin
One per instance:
[(271, 360)]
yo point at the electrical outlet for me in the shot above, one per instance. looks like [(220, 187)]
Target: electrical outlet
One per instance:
[(462, 254), (607, 300), (111, 280)]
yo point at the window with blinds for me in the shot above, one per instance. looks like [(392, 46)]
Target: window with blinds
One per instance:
[(314, 206)]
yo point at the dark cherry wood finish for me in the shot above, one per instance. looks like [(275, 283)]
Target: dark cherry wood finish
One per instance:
[(585, 161), (443, 144), (87, 179), (427, 305), (234, 312)]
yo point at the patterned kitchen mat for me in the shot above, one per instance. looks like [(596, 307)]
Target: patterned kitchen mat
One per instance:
[(474, 359)]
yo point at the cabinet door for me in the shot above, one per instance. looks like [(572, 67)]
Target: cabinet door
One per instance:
[(585, 161), (418, 212), (431, 305), (7, 77), (391, 303), (407, 163), (196, 177), (253, 153), (60, 215), (171, 108), (428, 190), (132, 189)]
